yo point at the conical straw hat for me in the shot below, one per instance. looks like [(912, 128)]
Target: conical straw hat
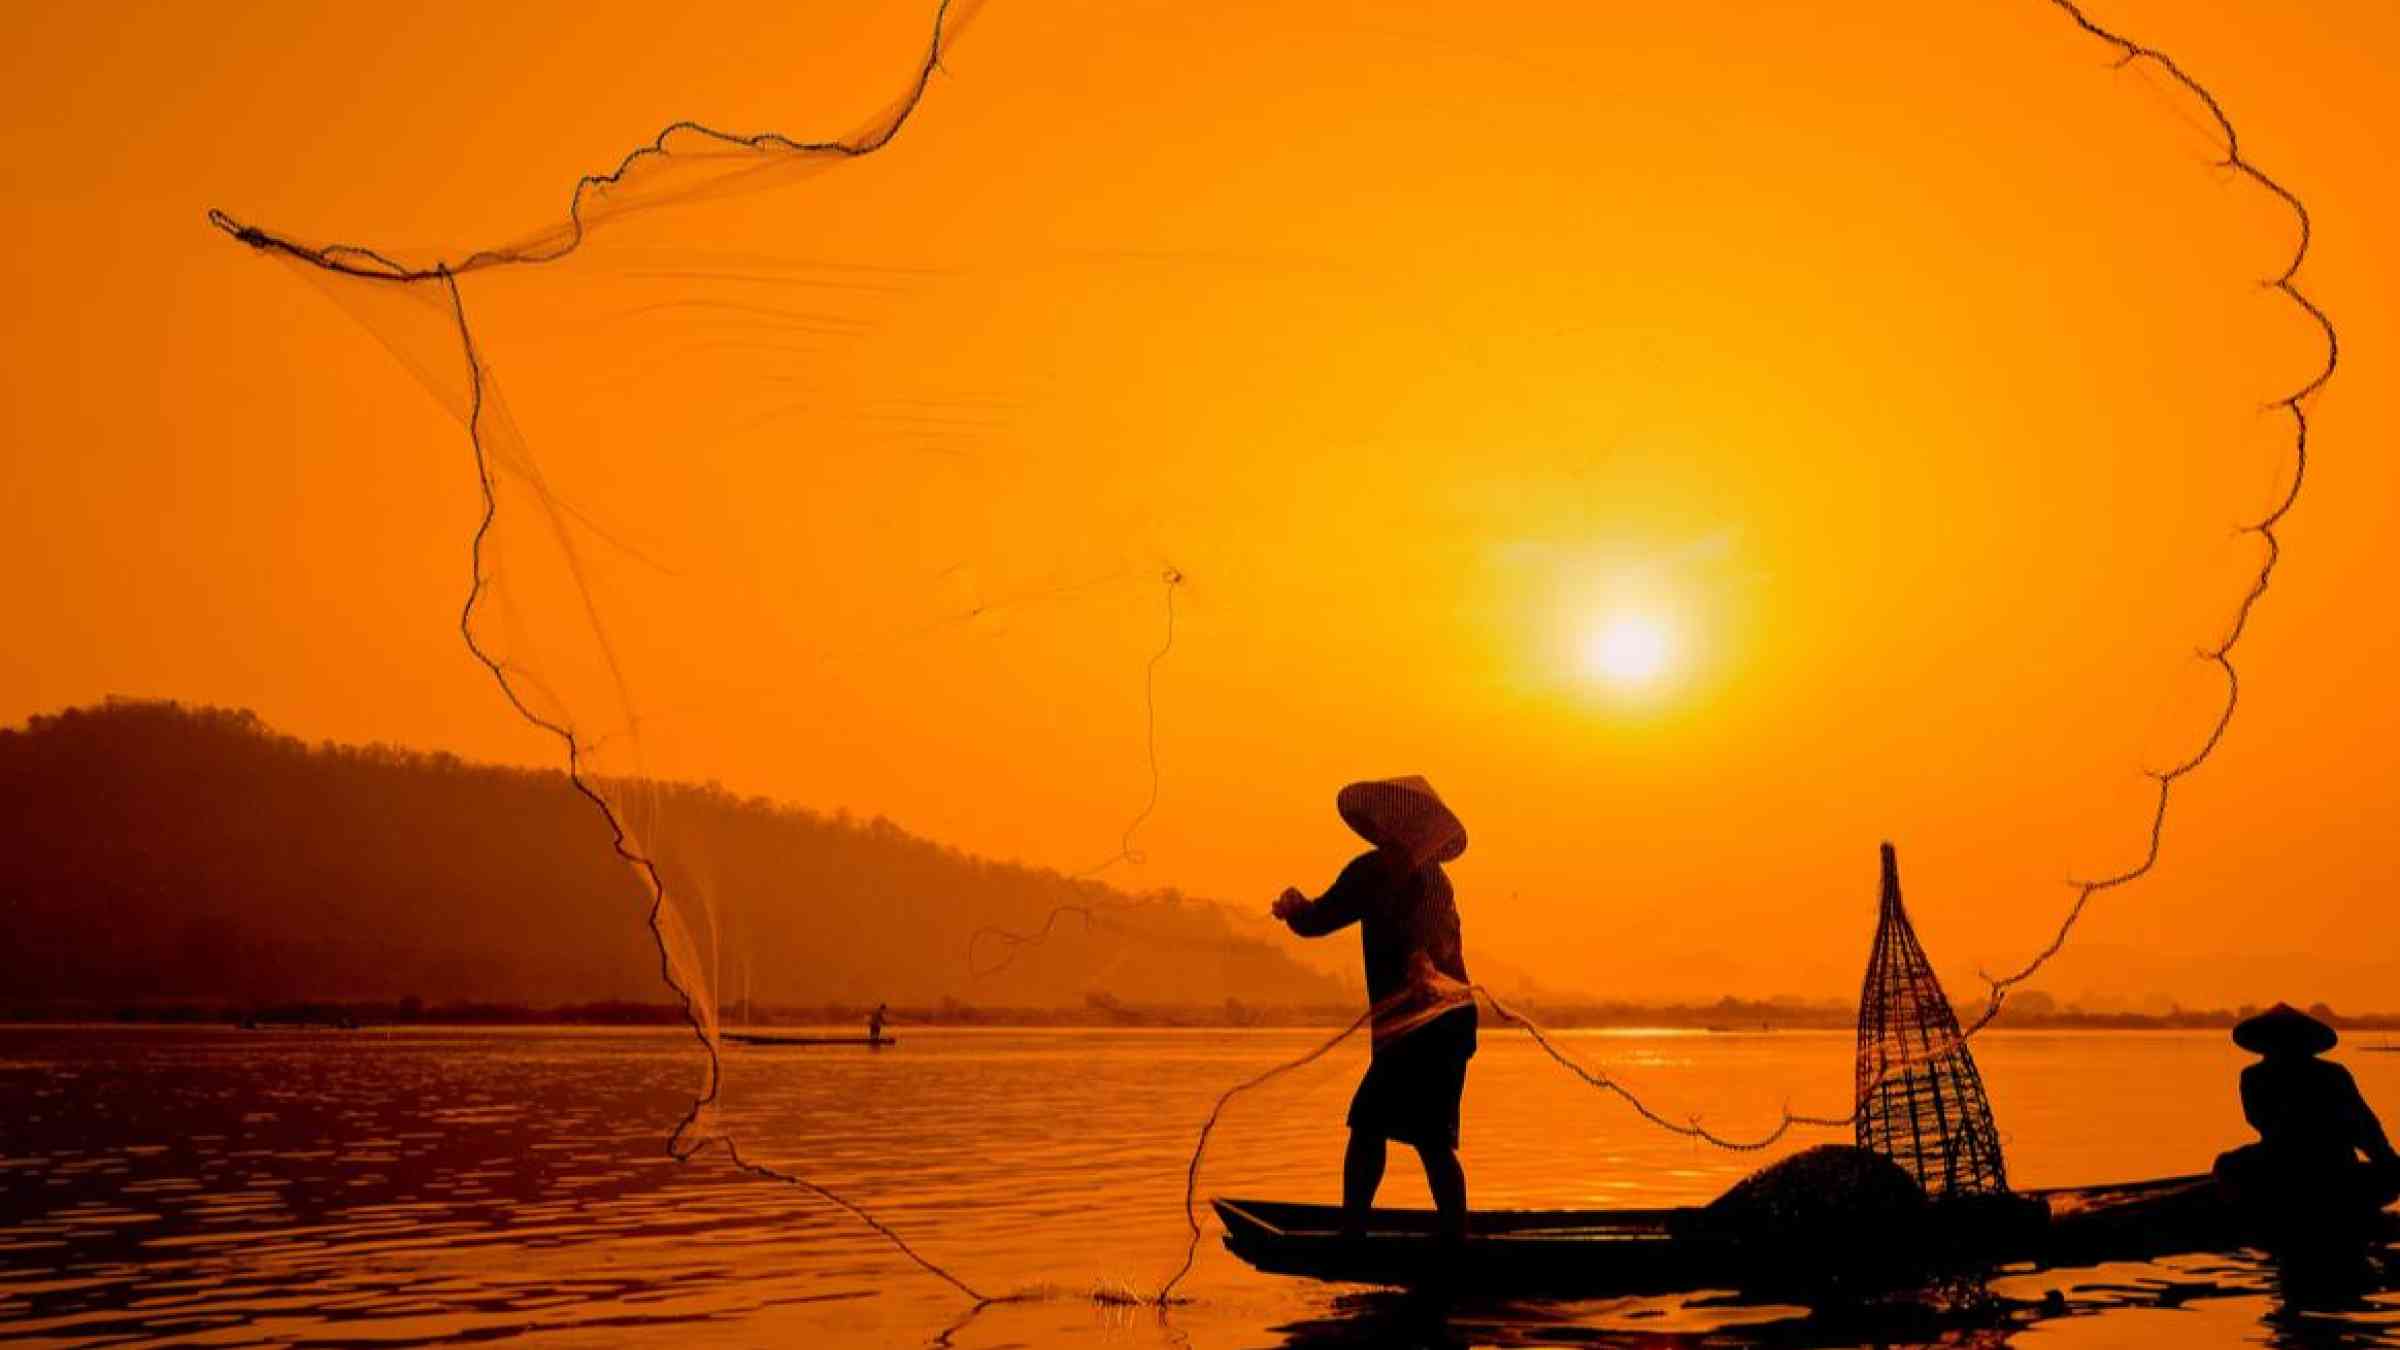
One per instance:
[(2284, 1030), (1403, 813)]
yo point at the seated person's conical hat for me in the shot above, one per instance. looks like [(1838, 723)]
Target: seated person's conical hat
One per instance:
[(2284, 1030), (1403, 813)]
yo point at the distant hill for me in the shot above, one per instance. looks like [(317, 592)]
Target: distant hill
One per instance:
[(158, 853)]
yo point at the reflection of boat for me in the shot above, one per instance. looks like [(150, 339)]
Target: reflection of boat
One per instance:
[(1625, 1251), (759, 1038)]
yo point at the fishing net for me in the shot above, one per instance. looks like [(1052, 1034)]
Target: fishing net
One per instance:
[(1136, 424)]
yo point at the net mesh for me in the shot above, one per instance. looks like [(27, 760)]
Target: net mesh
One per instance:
[(1920, 1100), (878, 478)]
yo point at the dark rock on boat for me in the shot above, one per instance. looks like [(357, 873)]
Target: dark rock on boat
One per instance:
[(1839, 1219)]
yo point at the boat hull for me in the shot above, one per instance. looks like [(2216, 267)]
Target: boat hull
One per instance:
[(1594, 1253), (1621, 1251)]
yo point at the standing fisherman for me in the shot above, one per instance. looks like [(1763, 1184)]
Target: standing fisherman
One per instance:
[(1424, 1018)]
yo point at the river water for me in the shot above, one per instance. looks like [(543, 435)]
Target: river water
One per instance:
[(215, 1187)]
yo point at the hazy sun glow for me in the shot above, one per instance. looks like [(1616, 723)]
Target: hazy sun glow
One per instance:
[(1630, 649)]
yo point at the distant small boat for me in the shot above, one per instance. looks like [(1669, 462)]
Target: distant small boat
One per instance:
[(760, 1038)]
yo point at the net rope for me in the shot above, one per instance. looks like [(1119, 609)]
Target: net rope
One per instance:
[(2293, 404), (1010, 941)]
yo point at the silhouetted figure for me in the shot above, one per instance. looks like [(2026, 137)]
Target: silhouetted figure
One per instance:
[(875, 1021), (2304, 1172), (1424, 1021)]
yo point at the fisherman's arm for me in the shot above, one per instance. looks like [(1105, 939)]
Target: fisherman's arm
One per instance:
[(2254, 1106), (2370, 1138), (1336, 909)]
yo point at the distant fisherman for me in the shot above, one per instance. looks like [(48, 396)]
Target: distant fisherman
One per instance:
[(1424, 1019), (875, 1021), (2312, 1126)]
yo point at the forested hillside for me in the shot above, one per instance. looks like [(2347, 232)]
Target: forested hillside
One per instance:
[(158, 853)]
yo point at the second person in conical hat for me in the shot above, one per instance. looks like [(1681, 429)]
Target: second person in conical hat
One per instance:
[(2313, 1124), (1423, 1015)]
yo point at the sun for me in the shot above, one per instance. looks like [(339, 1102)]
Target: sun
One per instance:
[(1630, 650)]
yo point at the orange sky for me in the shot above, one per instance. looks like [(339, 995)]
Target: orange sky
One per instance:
[(1905, 365)]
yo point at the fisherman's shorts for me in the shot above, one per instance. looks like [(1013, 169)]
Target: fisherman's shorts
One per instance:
[(1412, 1088)]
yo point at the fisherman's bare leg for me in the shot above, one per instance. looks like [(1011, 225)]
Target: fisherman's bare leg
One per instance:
[(1362, 1176), (1448, 1182)]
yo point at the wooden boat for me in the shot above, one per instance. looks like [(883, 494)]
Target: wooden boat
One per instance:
[(1595, 1253), (761, 1038)]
